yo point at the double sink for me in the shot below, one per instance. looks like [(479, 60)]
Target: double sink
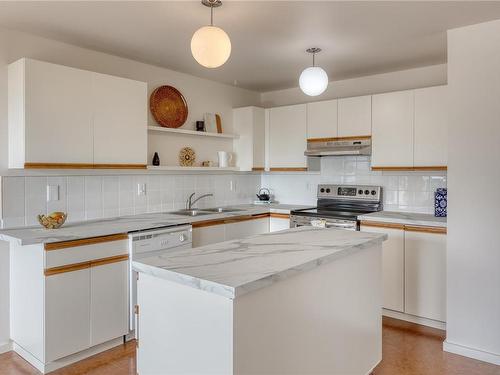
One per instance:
[(205, 211)]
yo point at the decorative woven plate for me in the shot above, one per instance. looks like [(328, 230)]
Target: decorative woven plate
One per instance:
[(187, 157), (168, 106)]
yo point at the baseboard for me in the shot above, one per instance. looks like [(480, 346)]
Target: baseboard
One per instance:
[(5, 347), (471, 353), (414, 319), (49, 367)]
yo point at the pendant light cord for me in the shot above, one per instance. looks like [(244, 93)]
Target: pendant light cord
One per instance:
[(314, 56), (211, 15)]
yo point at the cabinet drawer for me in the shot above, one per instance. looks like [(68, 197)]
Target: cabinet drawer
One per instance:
[(73, 252)]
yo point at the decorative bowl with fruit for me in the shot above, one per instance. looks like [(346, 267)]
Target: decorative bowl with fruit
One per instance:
[(52, 221)]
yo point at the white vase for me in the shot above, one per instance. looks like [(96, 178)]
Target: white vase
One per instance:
[(224, 158)]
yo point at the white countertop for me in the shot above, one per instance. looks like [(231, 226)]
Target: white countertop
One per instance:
[(236, 267), (408, 218), (125, 224)]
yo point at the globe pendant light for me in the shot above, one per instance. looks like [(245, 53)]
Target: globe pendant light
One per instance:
[(210, 45), (313, 81)]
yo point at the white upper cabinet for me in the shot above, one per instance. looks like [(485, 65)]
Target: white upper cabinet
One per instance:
[(50, 114), (287, 137), (322, 119), (59, 116), (431, 126), (249, 123), (120, 125), (355, 116), (392, 129)]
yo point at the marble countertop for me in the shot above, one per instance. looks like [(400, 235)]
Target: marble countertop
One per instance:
[(408, 218), (125, 224), (236, 267)]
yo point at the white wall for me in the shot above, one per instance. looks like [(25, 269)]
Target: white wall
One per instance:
[(473, 256), (401, 80), (202, 95)]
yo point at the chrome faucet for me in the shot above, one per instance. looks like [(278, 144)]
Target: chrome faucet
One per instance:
[(190, 202)]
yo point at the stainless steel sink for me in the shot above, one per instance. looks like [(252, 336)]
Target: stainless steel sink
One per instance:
[(222, 209), (191, 212)]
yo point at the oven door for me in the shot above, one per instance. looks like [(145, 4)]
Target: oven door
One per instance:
[(323, 222)]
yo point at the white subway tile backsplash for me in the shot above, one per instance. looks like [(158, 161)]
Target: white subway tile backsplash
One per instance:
[(13, 213), (76, 198), (35, 199), (94, 197), (403, 191)]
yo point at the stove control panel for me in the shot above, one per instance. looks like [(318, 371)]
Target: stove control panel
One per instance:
[(363, 192)]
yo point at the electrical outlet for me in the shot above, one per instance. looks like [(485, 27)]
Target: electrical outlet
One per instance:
[(52, 193), (141, 189), (232, 185)]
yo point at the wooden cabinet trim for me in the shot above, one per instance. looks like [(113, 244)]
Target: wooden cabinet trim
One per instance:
[(82, 166), (84, 241), (207, 223), (425, 229), (279, 216), (236, 219), (289, 169), (408, 228), (378, 224), (58, 166), (429, 168), (84, 265), (120, 166), (258, 169), (66, 268), (333, 139)]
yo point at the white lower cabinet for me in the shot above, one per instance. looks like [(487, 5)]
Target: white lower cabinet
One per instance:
[(278, 223), (108, 302), (230, 229), (413, 269), (67, 298), (67, 311), (425, 275), (206, 235), (242, 229), (392, 267)]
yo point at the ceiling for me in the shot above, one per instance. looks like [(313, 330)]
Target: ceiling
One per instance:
[(268, 38)]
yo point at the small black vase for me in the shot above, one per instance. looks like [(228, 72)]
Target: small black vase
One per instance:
[(156, 159)]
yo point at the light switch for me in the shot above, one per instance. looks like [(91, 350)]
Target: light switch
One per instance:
[(232, 185), (141, 189), (52, 193)]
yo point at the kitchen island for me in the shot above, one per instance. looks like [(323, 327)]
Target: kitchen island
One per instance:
[(300, 301)]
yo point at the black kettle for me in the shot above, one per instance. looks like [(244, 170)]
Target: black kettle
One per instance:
[(264, 194)]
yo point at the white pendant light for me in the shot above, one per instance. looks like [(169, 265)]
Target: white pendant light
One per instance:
[(210, 45), (313, 81)]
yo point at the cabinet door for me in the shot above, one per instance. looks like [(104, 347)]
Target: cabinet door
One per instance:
[(120, 120), (287, 137), (322, 119), (58, 114), (259, 138), (207, 235), (431, 126), (392, 267), (109, 302), (425, 275), (392, 129), (355, 116), (67, 309), (277, 224), (249, 124), (242, 229)]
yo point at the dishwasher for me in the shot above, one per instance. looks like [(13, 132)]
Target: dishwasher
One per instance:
[(148, 243)]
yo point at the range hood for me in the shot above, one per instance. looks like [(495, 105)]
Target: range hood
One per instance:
[(341, 147)]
